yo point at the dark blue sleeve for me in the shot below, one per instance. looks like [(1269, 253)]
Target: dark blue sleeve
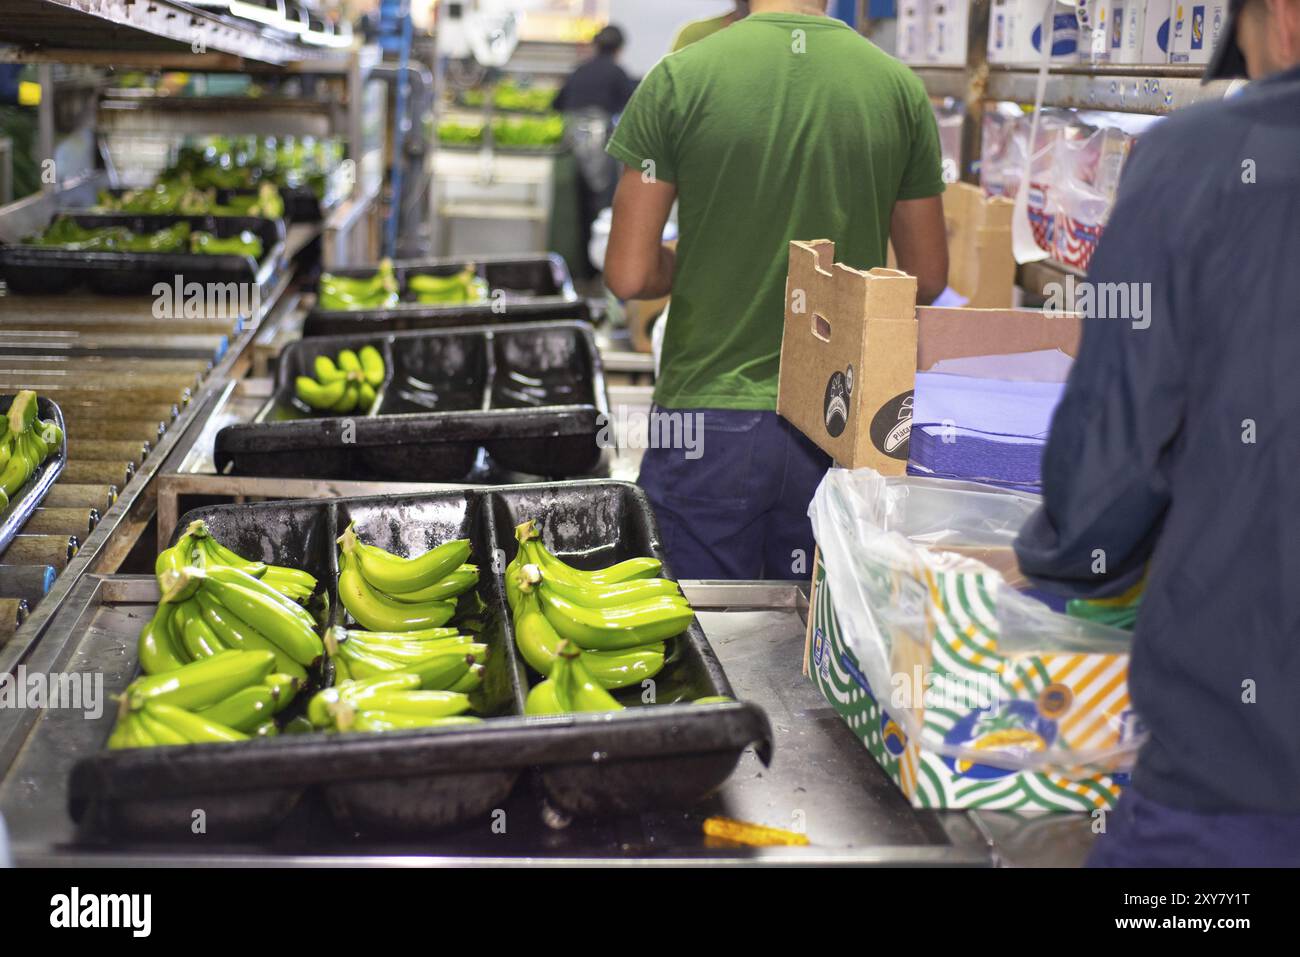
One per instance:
[(1105, 491)]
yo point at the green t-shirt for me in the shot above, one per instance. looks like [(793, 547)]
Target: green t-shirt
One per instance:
[(780, 127)]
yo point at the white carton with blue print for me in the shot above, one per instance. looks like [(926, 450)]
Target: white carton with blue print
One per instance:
[(967, 692), (1195, 26)]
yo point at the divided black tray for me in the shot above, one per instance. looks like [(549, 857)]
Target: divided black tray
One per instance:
[(533, 287), (29, 497), (406, 783), (532, 395), (41, 269)]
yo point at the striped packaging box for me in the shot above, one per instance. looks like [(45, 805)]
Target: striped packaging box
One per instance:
[(975, 697)]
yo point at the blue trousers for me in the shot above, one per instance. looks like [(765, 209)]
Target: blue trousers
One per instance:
[(1142, 833), (736, 506)]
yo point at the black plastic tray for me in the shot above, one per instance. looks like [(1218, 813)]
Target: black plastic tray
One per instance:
[(532, 286), (29, 497), (531, 395), (40, 269), (407, 783)]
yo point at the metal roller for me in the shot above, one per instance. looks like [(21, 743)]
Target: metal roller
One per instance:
[(109, 449), (13, 612), (73, 495), (29, 582), (56, 520), (52, 550), (91, 472)]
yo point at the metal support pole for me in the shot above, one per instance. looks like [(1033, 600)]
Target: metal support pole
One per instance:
[(45, 128)]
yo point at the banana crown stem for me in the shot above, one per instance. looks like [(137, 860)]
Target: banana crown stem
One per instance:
[(526, 530), (348, 540), (175, 580), (198, 529)]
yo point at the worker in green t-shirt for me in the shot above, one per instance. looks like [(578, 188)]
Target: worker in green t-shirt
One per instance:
[(786, 125), (699, 29)]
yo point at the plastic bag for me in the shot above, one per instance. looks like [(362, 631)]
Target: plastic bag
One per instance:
[(967, 666)]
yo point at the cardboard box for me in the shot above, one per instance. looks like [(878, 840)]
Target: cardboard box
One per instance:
[(981, 264), (946, 32), (1100, 41), (1024, 24), (1195, 30), (1130, 18), (910, 42), (1075, 701), (854, 341), (1155, 31)]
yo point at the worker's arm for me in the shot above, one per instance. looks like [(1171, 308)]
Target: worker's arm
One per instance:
[(637, 264), (1105, 490), (920, 240)]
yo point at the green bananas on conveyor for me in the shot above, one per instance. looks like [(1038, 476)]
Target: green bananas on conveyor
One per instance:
[(453, 662), (347, 383), (386, 592), (462, 287), (25, 442), (377, 291)]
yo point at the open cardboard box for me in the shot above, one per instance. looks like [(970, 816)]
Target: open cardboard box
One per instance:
[(855, 339)]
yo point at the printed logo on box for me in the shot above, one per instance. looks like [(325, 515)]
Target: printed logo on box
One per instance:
[(891, 427), (1198, 27), (892, 736), (819, 644), (1017, 727), (835, 407)]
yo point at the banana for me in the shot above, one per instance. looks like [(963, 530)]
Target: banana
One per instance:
[(613, 629), (16, 470), (234, 576), (534, 636), (349, 361), (52, 434), (366, 396), (372, 366), (154, 646), (202, 683), (22, 411), (37, 450), (277, 575), (377, 612), (449, 586), (267, 729), (388, 721), (341, 670), (269, 619), (628, 570), (450, 672), (244, 710), (160, 732), (299, 725), (470, 681), (600, 596), (575, 689), (351, 396), (394, 575), (198, 640), (6, 452), (169, 565), (424, 634), (194, 728), (326, 371), (542, 700), (424, 704), (318, 396), (619, 669), (139, 734), (236, 633), (212, 557), (356, 693), (284, 688)]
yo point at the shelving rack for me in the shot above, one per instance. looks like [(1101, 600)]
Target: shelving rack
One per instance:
[(163, 35), (1152, 90)]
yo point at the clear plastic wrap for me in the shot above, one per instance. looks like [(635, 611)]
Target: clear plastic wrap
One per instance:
[(974, 671)]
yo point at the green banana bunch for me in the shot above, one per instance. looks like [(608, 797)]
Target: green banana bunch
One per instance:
[(398, 696), (570, 688), (291, 582), (158, 723), (344, 384), (25, 443), (376, 291), (624, 571), (437, 663), (202, 683), (462, 287), (539, 644), (385, 592)]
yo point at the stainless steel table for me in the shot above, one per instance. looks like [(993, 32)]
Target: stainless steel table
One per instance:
[(821, 780)]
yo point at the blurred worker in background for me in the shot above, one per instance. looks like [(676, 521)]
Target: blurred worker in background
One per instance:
[(1173, 455), (590, 98), (699, 29), (786, 125)]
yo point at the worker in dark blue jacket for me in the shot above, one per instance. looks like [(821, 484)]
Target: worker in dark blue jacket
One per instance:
[(1175, 454)]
